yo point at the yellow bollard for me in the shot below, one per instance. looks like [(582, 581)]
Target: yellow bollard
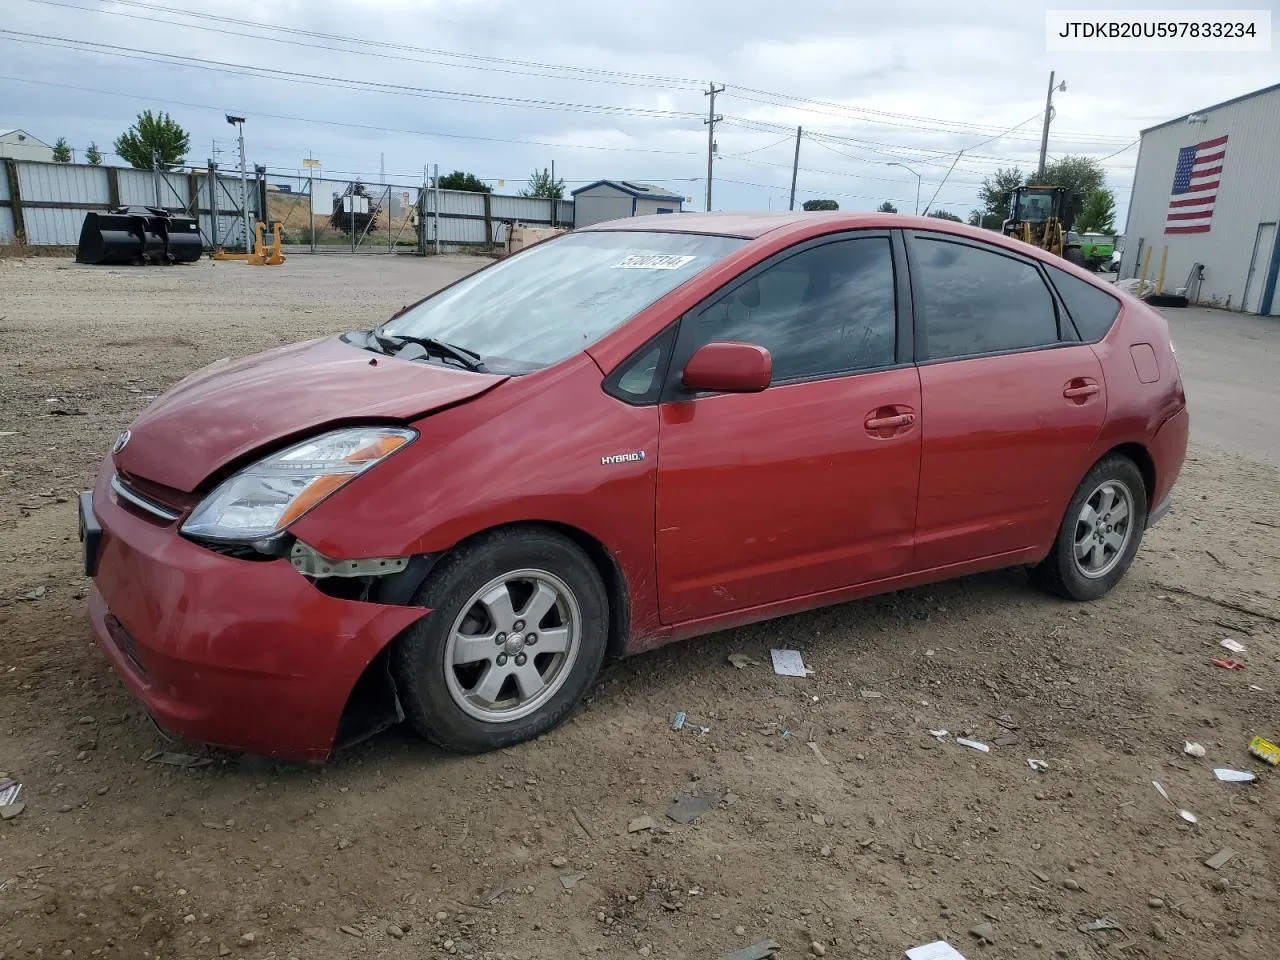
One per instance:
[(1164, 255), (1142, 282)]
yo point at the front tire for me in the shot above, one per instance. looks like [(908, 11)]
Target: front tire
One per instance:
[(516, 635), (1100, 532)]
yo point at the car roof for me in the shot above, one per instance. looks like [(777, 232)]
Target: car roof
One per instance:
[(751, 226)]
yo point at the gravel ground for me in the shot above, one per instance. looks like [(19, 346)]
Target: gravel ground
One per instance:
[(844, 828)]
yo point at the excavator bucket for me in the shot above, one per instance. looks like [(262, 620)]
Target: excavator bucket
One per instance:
[(138, 235)]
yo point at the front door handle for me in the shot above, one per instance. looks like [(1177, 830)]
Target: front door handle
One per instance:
[(890, 423)]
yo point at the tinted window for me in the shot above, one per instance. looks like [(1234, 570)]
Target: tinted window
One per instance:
[(559, 297), (970, 301), (823, 311), (1093, 310)]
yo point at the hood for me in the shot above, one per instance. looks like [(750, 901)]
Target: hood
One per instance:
[(234, 407)]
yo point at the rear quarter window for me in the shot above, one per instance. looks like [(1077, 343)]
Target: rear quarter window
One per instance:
[(1092, 310)]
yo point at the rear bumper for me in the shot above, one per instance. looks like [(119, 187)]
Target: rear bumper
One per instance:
[(241, 654), (1168, 449)]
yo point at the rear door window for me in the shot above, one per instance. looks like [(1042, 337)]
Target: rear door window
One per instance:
[(970, 301), (1092, 310)]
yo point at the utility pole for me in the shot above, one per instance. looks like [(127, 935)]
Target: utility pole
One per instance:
[(712, 119), (435, 177), (238, 122), (1048, 115), (155, 174), (795, 168)]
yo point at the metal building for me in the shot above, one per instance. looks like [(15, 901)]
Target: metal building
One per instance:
[(614, 199), (1207, 187), (20, 145)]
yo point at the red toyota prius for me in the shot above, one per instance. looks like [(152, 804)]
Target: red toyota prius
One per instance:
[(633, 433)]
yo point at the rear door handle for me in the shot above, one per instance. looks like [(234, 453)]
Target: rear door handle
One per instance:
[(889, 423), (1078, 393)]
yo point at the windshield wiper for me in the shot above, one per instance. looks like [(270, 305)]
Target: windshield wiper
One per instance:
[(468, 358)]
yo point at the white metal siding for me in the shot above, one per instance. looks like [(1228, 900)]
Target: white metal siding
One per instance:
[(62, 183), (599, 204), (6, 215), (28, 149), (1248, 195), (645, 206), (138, 188)]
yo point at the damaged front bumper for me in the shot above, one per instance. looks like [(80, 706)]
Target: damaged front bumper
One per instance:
[(247, 655)]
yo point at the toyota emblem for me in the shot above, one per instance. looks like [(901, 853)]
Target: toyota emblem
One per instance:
[(122, 441)]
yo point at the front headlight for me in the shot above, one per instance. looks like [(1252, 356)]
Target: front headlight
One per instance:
[(262, 499)]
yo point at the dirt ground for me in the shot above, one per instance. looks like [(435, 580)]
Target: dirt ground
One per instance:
[(877, 839)]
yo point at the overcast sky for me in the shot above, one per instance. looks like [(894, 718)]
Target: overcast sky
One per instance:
[(911, 81)]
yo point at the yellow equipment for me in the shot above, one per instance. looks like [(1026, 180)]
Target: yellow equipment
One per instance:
[(1036, 217), (263, 255)]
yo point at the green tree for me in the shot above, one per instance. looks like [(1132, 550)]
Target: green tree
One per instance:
[(944, 215), (886, 207), (812, 205), (61, 152), (996, 193), (1099, 213), (1081, 176), (463, 181), (153, 136), (543, 187), (93, 155)]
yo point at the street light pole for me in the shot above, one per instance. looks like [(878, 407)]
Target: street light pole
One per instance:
[(238, 122), (918, 179)]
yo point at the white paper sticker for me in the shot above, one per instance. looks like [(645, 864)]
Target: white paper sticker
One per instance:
[(654, 261), (1235, 646), (788, 663), (941, 950), (1234, 776)]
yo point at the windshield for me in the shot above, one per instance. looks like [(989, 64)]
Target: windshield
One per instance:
[(1035, 207), (555, 299)]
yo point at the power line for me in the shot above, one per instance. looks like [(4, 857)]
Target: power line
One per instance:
[(321, 80), (353, 126), (853, 108), (385, 45), (912, 126), (584, 73), (293, 41)]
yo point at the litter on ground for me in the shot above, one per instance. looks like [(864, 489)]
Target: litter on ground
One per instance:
[(176, 759), (1193, 749), (789, 663), (939, 950), (1219, 859), (1265, 750), (1235, 646), (973, 744), (1227, 775)]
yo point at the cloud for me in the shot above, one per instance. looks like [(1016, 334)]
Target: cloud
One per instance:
[(909, 82)]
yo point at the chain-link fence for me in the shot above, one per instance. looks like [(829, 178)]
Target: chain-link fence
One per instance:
[(327, 215)]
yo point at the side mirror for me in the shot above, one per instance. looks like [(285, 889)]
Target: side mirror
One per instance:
[(728, 368)]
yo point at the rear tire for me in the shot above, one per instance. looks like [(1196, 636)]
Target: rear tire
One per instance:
[(516, 635), (1073, 255), (1100, 533)]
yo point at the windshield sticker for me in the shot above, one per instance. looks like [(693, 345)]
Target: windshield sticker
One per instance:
[(654, 261)]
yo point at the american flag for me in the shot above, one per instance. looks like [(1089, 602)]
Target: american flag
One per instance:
[(1195, 187)]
